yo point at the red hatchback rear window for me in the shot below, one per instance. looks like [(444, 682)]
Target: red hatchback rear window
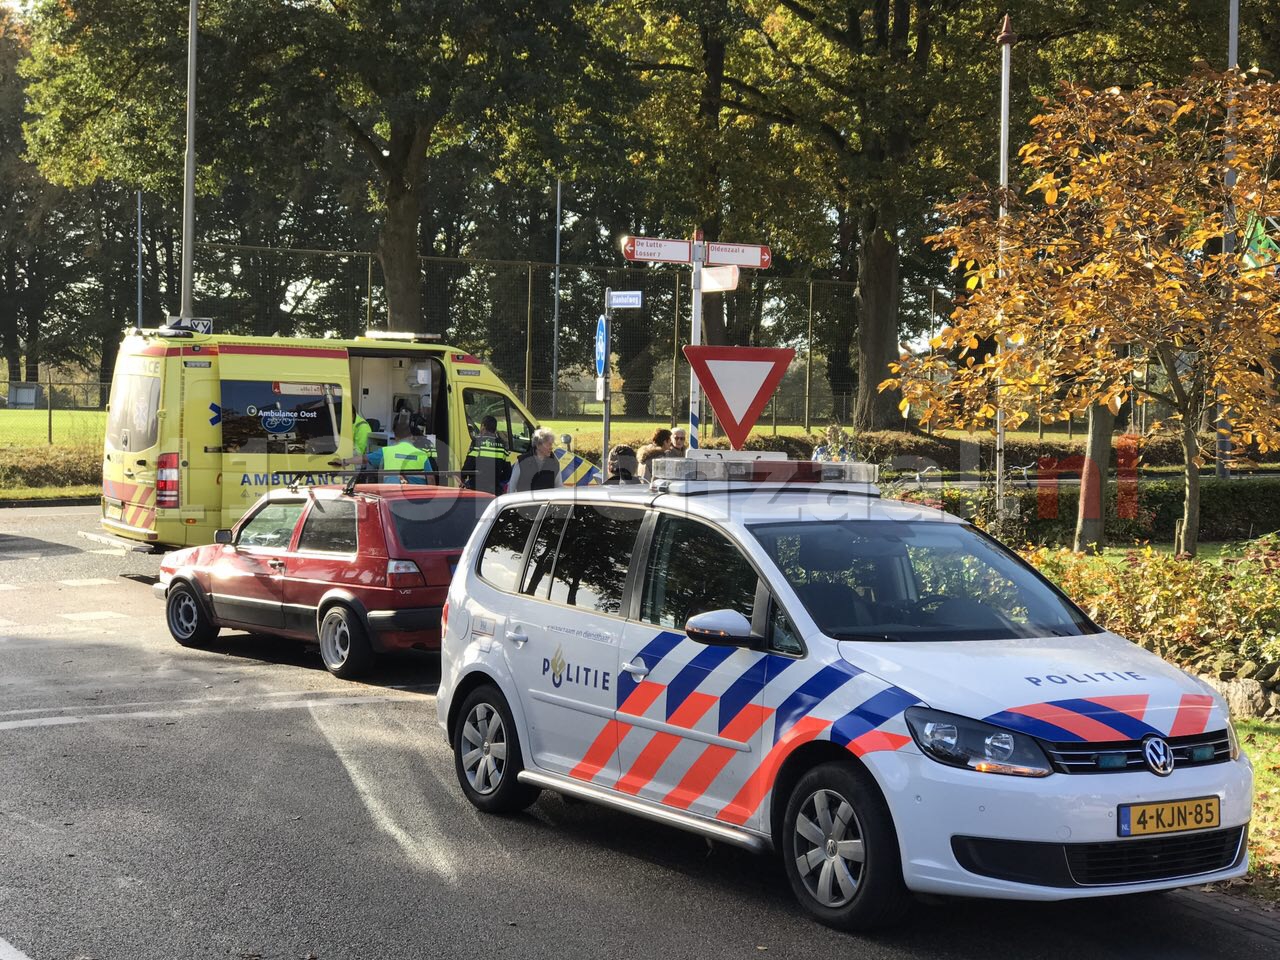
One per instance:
[(435, 523)]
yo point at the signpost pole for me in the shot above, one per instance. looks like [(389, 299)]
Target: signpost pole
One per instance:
[(189, 175), (608, 369), (695, 336)]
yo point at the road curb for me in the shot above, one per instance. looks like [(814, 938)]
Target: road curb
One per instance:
[(52, 502), (1237, 912)]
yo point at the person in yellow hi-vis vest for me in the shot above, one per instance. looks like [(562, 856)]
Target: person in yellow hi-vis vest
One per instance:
[(401, 459)]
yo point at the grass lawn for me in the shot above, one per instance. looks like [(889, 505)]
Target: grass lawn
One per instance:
[(30, 428), (1261, 741), (36, 494)]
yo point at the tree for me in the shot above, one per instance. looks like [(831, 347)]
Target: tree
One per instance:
[(1120, 264)]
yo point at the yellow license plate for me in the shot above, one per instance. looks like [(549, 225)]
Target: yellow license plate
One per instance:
[(1171, 816), (113, 509)]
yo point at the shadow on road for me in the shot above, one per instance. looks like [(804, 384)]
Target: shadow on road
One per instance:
[(14, 548), (407, 668)]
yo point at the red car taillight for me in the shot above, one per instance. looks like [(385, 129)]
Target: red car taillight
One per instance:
[(167, 480), (404, 573)]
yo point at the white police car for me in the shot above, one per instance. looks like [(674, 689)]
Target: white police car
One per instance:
[(878, 691)]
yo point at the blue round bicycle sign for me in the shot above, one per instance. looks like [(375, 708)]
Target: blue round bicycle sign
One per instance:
[(602, 348)]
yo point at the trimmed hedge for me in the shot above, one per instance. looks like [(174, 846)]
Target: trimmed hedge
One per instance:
[(50, 466)]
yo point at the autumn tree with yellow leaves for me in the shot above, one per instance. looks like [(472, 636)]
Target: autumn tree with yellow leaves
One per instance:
[(1108, 276)]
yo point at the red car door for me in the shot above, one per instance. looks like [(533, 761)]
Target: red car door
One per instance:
[(326, 556), (247, 581)]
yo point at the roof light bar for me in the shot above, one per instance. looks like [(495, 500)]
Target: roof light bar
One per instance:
[(762, 470), (403, 336)]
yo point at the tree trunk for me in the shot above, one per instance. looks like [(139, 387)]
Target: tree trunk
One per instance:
[(398, 253), (1092, 510), (841, 377), (1189, 537), (878, 347)]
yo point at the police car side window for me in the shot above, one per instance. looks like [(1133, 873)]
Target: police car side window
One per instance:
[(694, 568), (543, 554), (782, 635), (595, 552), (500, 560), (330, 527)]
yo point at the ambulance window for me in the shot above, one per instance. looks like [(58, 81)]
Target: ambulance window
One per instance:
[(516, 431), (694, 569), (132, 423), (272, 526), (265, 416), (503, 553), (594, 554), (330, 527)]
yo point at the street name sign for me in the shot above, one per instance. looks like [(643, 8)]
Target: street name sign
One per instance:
[(657, 250), (625, 299)]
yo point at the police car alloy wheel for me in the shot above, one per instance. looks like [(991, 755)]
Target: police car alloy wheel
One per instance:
[(344, 646), (187, 621), (486, 753), (840, 849)]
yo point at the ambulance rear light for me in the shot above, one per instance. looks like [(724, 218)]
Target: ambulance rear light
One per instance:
[(167, 480), (737, 468), (403, 574)]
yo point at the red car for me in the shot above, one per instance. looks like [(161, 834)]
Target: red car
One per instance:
[(362, 571)]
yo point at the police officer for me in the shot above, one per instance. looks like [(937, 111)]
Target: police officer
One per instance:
[(401, 459), (486, 467), (426, 442)]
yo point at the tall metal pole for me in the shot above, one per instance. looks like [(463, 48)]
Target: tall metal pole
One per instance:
[(695, 337), (608, 375), (1005, 40), (1222, 425), (555, 318), (189, 183), (675, 351), (138, 324), (808, 364)]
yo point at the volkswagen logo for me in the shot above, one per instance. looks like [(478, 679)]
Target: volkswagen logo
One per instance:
[(1158, 756)]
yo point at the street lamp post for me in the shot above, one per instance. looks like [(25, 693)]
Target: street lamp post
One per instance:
[(189, 181), (1005, 40), (1222, 426)]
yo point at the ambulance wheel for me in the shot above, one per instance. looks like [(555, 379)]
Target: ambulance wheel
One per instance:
[(188, 623), (486, 754), (840, 849), (344, 644)]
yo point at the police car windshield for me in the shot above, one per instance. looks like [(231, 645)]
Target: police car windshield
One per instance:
[(914, 580)]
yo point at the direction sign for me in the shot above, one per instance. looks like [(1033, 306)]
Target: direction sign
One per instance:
[(739, 254), (602, 346), (657, 250), (195, 324), (624, 299), (739, 382)]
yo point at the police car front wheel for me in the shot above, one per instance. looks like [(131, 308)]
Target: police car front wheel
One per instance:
[(487, 756), (840, 849)]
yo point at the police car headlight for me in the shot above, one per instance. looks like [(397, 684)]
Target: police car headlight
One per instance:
[(1234, 740), (974, 745)]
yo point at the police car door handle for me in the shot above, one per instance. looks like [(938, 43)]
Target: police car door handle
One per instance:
[(636, 669), (518, 636)]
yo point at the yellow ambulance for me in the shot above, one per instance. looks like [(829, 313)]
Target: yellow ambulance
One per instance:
[(200, 425)]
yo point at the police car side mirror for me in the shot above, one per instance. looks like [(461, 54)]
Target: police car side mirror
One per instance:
[(720, 628), (222, 536)]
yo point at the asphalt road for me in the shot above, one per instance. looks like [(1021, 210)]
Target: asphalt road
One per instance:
[(157, 802)]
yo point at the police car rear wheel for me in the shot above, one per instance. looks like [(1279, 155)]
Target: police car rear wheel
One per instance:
[(841, 851), (487, 755), (344, 646), (187, 621)]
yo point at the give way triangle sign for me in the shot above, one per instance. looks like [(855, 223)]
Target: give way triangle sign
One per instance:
[(739, 382)]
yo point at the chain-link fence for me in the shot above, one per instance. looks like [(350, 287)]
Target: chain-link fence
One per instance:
[(72, 414), (505, 312)]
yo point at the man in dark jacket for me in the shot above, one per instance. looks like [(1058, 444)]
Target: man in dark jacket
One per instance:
[(486, 467)]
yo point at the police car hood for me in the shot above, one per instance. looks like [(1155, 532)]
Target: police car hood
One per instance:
[(1096, 688)]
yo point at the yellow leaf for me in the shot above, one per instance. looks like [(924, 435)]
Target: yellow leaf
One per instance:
[(971, 283), (1114, 405), (904, 407), (1051, 196), (972, 343)]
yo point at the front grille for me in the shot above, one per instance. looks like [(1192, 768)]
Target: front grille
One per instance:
[(1117, 756), (1154, 858), (1101, 864)]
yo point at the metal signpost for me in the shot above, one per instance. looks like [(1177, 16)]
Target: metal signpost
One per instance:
[(697, 253), (613, 300)]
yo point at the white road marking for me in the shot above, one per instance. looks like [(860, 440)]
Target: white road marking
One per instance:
[(93, 615), (91, 582), (8, 623), (209, 701), (257, 704), (415, 835), (9, 952), (7, 586)]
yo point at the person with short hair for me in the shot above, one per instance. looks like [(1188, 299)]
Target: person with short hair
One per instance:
[(486, 466), (679, 442), (537, 468), (401, 460), (622, 465)]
